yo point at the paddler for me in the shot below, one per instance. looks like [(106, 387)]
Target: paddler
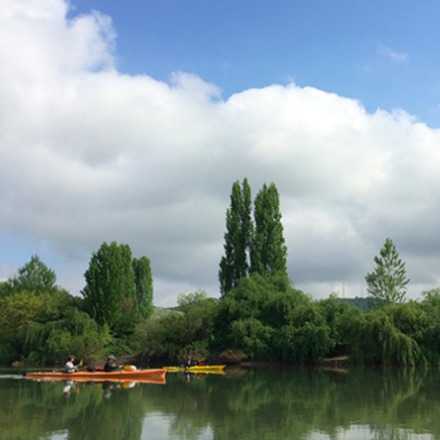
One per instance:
[(69, 366), (110, 364)]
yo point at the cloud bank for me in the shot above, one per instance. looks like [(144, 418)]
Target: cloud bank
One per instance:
[(88, 153)]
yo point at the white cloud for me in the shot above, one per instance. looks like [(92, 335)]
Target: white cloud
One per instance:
[(88, 154), (393, 55)]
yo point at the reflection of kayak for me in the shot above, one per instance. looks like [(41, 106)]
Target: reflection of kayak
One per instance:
[(213, 369), (151, 380), (214, 372), (147, 376)]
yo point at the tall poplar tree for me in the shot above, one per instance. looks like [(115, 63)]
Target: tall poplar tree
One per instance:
[(144, 285), (234, 265), (246, 230), (388, 280), (110, 291), (268, 250)]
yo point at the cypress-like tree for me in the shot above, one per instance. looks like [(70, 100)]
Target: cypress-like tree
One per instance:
[(144, 285), (234, 265), (110, 291), (268, 250), (388, 280)]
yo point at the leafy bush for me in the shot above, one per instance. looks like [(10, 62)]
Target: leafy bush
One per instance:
[(269, 319), (377, 340), (177, 335), (45, 327), (253, 337)]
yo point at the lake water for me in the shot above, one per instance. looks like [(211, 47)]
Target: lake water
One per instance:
[(287, 404)]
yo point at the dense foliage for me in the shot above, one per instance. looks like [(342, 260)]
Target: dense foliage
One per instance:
[(179, 334), (41, 323), (45, 328), (263, 318)]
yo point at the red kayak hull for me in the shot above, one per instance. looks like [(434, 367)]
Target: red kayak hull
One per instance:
[(151, 375)]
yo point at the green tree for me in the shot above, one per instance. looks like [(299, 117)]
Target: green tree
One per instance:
[(173, 336), (339, 315), (44, 327), (144, 285), (110, 291), (430, 340), (377, 340), (234, 265), (268, 319), (253, 337), (388, 280), (5, 287), (34, 276), (268, 250)]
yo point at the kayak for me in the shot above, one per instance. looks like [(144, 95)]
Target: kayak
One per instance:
[(204, 368), (197, 369), (157, 374), (189, 371), (155, 380)]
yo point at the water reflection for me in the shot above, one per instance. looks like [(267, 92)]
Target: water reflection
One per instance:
[(290, 404)]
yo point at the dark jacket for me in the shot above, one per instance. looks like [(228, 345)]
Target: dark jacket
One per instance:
[(111, 365)]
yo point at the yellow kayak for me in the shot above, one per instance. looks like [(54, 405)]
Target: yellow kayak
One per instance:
[(173, 369), (204, 368), (196, 369)]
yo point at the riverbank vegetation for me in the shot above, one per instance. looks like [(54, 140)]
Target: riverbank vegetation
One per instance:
[(260, 314)]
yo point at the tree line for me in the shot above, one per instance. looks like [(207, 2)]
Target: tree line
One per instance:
[(41, 323), (260, 314)]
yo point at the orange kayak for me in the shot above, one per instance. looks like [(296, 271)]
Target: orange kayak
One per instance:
[(152, 375)]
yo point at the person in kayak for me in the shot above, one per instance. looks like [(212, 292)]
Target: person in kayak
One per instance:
[(91, 366), (69, 366), (110, 364), (190, 362)]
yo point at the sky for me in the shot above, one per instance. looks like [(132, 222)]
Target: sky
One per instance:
[(130, 121), (384, 54)]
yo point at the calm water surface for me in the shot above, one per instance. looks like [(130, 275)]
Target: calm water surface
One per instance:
[(288, 404)]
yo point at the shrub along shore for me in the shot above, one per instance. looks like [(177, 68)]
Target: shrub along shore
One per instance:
[(260, 315)]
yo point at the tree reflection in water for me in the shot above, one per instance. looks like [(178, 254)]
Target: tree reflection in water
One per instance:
[(263, 405)]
